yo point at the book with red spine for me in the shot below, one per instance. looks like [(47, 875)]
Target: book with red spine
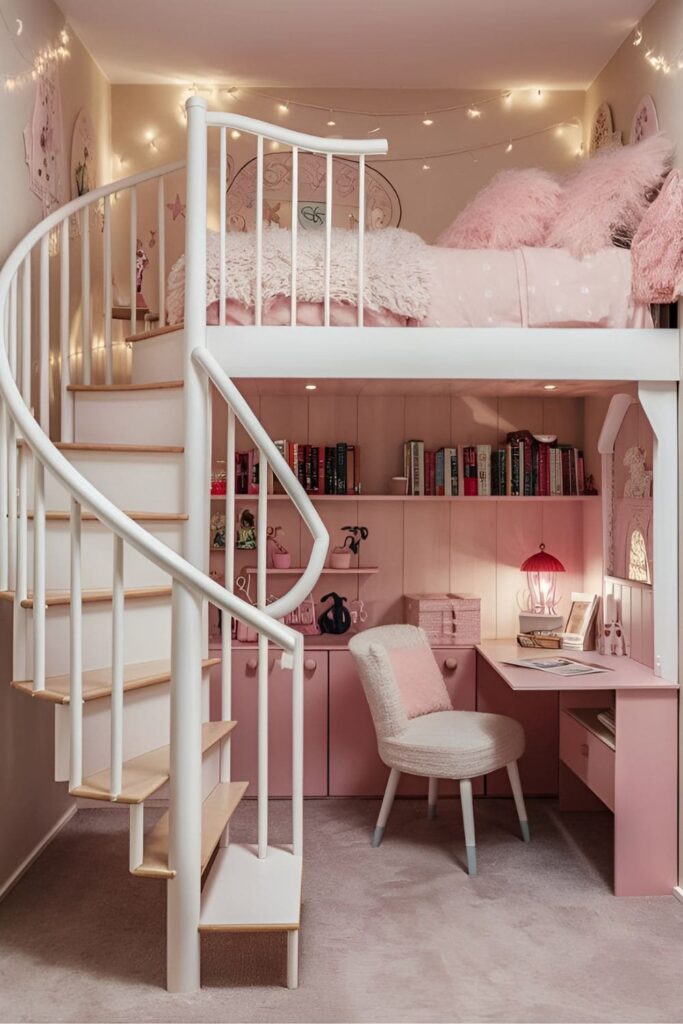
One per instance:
[(469, 457)]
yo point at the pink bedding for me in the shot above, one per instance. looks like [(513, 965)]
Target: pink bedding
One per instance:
[(489, 288)]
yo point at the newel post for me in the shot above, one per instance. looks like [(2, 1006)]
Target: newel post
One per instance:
[(183, 891)]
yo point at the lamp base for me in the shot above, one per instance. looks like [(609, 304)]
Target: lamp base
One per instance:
[(533, 622)]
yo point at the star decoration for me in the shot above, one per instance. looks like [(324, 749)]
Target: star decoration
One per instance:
[(177, 207)]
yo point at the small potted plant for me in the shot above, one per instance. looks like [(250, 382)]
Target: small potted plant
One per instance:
[(278, 556), (341, 555)]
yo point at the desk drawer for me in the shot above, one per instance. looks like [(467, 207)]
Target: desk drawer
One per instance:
[(588, 756)]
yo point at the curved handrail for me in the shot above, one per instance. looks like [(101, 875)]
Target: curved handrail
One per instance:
[(77, 485), (311, 143), (321, 539)]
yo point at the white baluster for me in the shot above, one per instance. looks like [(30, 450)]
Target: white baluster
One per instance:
[(226, 618), (361, 237), (117, 607), (67, 431), (44, 356), (76, 652), (4, 499), (38, 575), (86, 304), (12, 444), (258, 312), (133, 259), (26, 332), (329, 170), (261, 594), (161, 248), (136, 836), (222, 226), (295, 225), (298, 748), (107, 293), (22, 526)]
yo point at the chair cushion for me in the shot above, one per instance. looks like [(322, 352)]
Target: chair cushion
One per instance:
[(419, 680), (454, 745)]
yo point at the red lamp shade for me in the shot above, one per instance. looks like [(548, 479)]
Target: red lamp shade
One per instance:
[(541, 569)]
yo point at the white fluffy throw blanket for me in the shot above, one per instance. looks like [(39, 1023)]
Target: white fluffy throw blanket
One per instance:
[(397, 270)]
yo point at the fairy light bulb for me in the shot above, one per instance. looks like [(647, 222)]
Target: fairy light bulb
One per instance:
[(473, 112), (234, 134), (283, 107), (638, 37), (331, 121), (426, 167), (508, 98), (427, 121), (508, 148)]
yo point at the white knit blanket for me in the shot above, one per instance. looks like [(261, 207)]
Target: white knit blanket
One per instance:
[(397, 270)]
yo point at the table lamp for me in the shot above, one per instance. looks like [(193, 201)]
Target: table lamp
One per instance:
[(540, 613)]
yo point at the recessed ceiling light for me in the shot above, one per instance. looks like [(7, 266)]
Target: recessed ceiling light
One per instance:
[(550, 387), (311, 387)]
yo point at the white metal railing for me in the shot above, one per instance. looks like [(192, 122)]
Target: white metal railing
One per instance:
[(297, 142)]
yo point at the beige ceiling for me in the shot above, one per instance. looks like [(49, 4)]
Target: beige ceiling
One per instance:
[(369, 44)]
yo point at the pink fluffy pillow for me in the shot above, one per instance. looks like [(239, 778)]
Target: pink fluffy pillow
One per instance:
[(657, 250), (516, 208), (604, 201), (419, 680)]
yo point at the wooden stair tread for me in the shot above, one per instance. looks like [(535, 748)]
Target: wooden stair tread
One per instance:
[(139, 517), (90, 446), (141, 313), (244, 893), (54, 598), (156, 332), (97, 682), (217, 810), (162, 385), (144, 775)]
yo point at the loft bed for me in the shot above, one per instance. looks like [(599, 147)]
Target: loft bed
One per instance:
[(647, 356)]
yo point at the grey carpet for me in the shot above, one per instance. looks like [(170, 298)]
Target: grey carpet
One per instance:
[(394, 934)]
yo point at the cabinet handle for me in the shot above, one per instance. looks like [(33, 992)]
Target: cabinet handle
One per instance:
[(310, 664), (584, 749), (252, 664), (451, 664)]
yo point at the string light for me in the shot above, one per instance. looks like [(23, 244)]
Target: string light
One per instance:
[(473, 112), (657, 61), (283, 107), (331, 122), (53, 52), (427, 121), (508, 148), (426, 167), (638, 37), (234, 134)]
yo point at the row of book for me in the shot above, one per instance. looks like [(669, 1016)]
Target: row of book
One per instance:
[(320, 469), (522, 467)]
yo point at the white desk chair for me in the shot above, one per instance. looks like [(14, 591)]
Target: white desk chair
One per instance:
[(439, 745)]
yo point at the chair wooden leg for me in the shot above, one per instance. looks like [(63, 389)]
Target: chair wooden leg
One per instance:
[(468, 823), (431, 799), (385, 809), (513, 775)]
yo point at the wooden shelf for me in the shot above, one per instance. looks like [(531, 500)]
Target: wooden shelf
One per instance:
[(316, 498), (588, 718)]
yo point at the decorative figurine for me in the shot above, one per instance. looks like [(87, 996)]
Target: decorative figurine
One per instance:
[(358, 533), (639, 483), (336, 619), (277, 556), (246, 530), (218, 530)]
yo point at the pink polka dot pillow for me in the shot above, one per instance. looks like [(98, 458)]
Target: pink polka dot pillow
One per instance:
[(419, 680), (516, 208)]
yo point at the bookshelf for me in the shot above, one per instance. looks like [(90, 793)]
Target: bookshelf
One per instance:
[(422, 498)]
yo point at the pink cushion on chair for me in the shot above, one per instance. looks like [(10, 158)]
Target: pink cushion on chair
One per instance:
[(419, 680)]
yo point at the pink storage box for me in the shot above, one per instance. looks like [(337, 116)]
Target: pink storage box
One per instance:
[(449, 620)]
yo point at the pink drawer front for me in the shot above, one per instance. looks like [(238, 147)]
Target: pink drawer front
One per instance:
[(589, 757)]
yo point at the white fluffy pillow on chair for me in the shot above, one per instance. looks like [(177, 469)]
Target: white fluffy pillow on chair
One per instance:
[(419, 680)]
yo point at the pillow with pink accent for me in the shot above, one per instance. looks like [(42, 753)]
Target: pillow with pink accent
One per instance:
[(516, 208), (604, 201), (419, 681), (657, 250)]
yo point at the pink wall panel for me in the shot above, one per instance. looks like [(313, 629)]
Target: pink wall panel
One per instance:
[(473, 552), (381, 433), (562, 528), (474, 420), (285, 416), (244, 738), (538, 714), (426, 547), (428, 417), (382, 593), (519, 532), (332, 418)]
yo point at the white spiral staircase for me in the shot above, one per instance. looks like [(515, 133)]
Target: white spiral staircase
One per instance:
[(104, 541)]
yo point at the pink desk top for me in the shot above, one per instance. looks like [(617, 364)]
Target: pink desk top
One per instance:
[(623, 674)]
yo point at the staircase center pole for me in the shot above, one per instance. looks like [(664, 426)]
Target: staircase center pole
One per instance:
[(183, 891)]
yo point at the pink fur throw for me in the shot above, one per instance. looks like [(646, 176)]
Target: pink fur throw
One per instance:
[(657, 250), (604, 201), (419, 680), (516, 208)]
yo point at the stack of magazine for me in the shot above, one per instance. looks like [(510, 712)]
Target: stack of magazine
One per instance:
[(607, 719)]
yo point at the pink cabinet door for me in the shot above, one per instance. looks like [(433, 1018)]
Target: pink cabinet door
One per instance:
[(355, 766), (244, 711), (538, 713)]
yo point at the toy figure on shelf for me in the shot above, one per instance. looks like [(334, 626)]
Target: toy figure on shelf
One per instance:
[(613, 641), (246, 530), (336, 619), (589, 487), (277, 556), (218, 530), (340, 557)]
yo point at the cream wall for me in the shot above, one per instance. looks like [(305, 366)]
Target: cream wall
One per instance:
[(31, 803), (429, 199), (628, 75)]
